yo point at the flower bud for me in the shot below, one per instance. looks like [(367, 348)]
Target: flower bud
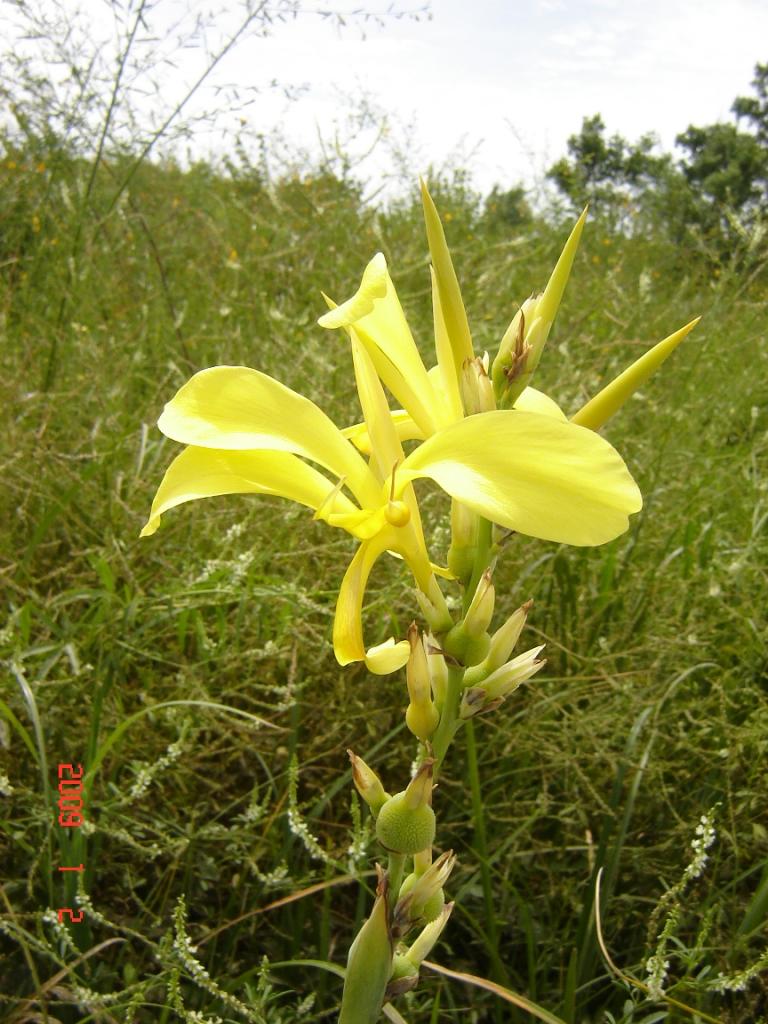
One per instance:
[(406, 822), (461, 553), (434, 609), (480, 612), (422, 947), (502, 644), (476, 387), (369, 964), (524, 340), (491, 692), (421, 895), (404, 977), (422, 716), (438, 670), (367, 783)]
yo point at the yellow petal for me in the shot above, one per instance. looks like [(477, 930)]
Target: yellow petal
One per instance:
[(361, 524), (236, 408), (347, 623), (386, 450), (402, 421), (378, 319), (532, 400), (387, 657), (205, 473), (447, 372), (451, 303), (600, 408), (549, 303), (533, 474)]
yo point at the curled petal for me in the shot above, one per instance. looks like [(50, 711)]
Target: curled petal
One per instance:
[(377, 317), (387, 657), (347, 624), (533, 474), (205, 473), (236, 408)]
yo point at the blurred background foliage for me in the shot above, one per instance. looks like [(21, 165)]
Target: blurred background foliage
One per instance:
[(193, 676)]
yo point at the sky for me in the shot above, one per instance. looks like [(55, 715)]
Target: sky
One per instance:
[(496, 86)]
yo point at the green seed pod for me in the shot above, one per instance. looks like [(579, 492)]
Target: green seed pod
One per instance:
[(466, 649), (404, 829), (431, 908), (403, 968)]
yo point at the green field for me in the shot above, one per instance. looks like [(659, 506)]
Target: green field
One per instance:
[(192, 672)]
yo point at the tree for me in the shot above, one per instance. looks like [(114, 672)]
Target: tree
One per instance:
[(755, 108), (607, 172), (726, 166)]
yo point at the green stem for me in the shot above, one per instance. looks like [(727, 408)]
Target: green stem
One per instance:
[(449, 717), (395, 871)]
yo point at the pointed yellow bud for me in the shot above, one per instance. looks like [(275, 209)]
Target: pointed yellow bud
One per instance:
[(600, 408), (438, 670), (461, 553), (503, 643), (367, 783), (476, 388), (422, 717), (480, 612), (549, 303), (505, 680), (451, 304), (433, 608), (418, 792)]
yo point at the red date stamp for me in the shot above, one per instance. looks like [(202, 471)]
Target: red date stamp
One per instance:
[(70, 815)]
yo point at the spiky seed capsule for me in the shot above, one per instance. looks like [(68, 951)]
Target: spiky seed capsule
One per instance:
[(402, 829)]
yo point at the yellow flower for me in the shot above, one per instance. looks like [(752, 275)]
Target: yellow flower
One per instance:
[(528, 469), (247, 433)]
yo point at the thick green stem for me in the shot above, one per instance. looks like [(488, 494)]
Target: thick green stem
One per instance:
[(395, 872), (449, 718), (483, 554)]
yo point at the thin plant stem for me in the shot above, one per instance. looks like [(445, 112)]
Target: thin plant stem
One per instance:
[(50, 369)]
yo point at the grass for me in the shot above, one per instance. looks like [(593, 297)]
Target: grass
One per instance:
[(191, 671)]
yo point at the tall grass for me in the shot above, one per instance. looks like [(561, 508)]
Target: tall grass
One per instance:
[(191, 672)]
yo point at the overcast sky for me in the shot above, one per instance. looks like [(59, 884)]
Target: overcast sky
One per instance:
[(514, 79), (506, 82)]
